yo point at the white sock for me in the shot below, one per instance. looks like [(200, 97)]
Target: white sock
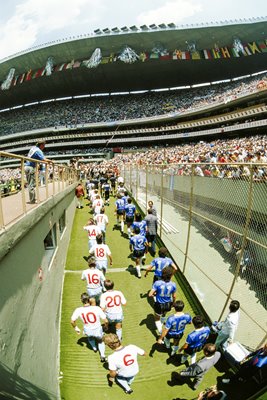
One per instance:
[(193, 358), (122, 226), (119, 333), (174, 350), (101, 348), (158, 326), (138, 269), (167, 343), (163, 319)]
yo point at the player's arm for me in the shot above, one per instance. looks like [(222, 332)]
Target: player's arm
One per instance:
[(110, 259), (174, 267), (76, 328), (183, 347), (112, 375), (149, 268), (152, 293)]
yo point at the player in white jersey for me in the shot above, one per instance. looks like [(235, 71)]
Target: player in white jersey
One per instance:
[(111, 302), (92, 231), (91, 316), (97, 204), (101, 221), (122, 364), (94, 279), (101, 253)]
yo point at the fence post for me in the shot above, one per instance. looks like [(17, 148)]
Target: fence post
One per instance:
[(161, 202), (23, 186), (146, 186), (190, 216)]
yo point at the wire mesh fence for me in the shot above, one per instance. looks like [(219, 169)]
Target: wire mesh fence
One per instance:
[(213, 219)]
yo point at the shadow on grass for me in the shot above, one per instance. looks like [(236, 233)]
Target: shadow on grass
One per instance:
[(149, 321), (160, 348), (177, 380)]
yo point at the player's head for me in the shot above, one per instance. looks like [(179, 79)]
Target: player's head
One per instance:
[(150, 203), (85, 299), (178, 305), (149, 211), (112, 341), (167, 274), (137, 230), (97, 196), (99, 239), (125, 193), (95, 191), (129, 200), (109, 285), (209, 349), (198, 321), (91, 262), (163, 252), (118, 196), (234, 306), (102, 210), (91, 221), (138, 217)]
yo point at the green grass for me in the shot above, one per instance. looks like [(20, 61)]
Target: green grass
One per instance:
[(84, 377)]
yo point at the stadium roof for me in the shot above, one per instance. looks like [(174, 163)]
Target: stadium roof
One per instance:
[(120, 77)]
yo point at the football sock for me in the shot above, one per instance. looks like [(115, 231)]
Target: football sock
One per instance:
[(158, 326), (119, 333), (101, 348), (174, 350), (138, 269), (193, 358)]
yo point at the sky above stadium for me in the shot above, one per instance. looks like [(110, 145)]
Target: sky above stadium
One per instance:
[(27, 23)]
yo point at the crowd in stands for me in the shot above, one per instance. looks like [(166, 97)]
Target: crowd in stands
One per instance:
[(251, 149), (97, 109)]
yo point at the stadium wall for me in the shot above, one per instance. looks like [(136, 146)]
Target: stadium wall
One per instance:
[(31, 285)]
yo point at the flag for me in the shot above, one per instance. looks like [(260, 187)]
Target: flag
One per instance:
[(225, 52), (28, 75), (165, 56), (253, 47), (234, 52), (143, 56), (186, 55), (216, 53), (77, 64), (207, 54), (177, 55), (262, 46), (154, 55), (21, 78), (195, 55)]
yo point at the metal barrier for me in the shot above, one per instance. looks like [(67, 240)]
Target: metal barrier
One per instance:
[(213, 219), (48, 181)]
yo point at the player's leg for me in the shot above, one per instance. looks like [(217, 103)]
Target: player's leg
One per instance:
[(118, 327), (124, 382), (138, 266)]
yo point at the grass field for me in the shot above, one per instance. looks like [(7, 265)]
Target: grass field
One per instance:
[(83, 376)]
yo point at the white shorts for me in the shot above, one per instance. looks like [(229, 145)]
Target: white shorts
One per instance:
[(96, 333), (102, 265), (91, 243), (114, 317), (94, 292)]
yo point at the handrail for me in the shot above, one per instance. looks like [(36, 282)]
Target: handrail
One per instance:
[(16, 205)]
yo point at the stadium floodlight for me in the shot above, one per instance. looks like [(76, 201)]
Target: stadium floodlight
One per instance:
[(125, 29), (97, 32), (171, 25), (106, 30), (153, 26), (162, 26), (144, 27), (116, 29), (133, 28)]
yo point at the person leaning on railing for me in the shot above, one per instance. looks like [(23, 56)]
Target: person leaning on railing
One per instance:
[(36, 152)]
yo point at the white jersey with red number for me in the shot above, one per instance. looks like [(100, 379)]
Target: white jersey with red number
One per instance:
[(97, 205), (90, 315), (94, 278), (112, 301), (92, 231), (101, 221), (124, 360), (101, 252)]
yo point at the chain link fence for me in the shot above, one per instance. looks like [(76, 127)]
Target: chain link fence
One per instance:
[(213, 219)]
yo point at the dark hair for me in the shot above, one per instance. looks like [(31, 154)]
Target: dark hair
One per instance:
[(85, 298), (178, 305), (39, 143), (99, 238), (138, 217), (163, 252), (149, 211), (91, 261), (109, 284), (129, 200), (198, 321), (137, 230), (167, 274), (234, 305), (209, 349)]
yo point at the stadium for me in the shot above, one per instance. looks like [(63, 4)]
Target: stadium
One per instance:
[(180, 113)]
